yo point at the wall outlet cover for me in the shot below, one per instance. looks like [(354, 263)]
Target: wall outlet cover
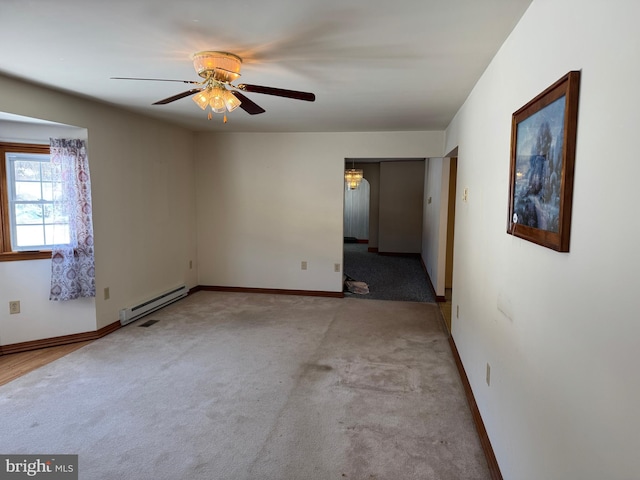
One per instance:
[(14, 307)]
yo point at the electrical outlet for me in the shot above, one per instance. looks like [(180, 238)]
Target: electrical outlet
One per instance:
[(190, 264), (14, 307), (465, 194), (106, 294), (303, 265), (336, 267), (457, 311), (488, 375)]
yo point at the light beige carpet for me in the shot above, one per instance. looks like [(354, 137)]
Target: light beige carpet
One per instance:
[(250, 386)]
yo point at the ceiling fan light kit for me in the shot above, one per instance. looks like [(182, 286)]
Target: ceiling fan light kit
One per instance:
[(219, 69), (218, 98)]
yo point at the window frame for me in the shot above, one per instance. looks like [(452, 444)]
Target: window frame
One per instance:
[(6, 253)]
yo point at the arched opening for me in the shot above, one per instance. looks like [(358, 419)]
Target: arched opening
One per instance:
[(356, 212)]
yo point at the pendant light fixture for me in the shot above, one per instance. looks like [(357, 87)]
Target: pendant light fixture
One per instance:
[(353, 177)]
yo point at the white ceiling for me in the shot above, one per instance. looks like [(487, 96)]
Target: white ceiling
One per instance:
[(374, 65)]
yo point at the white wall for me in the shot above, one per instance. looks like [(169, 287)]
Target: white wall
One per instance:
[(267, 202), (144, 211), (435, 214), (29, 282), (26, 132), (560, 330)]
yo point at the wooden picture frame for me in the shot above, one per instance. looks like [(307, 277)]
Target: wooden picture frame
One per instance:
[(543, 144)]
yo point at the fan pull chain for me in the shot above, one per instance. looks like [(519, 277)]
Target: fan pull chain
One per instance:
[(225, 118), (209, 116)]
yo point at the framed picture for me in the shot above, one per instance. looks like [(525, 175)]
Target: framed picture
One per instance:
[(543, 144)]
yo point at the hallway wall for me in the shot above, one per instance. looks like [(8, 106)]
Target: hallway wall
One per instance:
[(401, 194), (559, 330)]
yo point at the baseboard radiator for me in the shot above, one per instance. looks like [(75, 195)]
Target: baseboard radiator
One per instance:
[(128, 315)]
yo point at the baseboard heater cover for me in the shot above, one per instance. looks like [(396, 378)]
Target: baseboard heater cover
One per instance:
[(128, 315)]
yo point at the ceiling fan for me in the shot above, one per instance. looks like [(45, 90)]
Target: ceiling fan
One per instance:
[(219, 70)]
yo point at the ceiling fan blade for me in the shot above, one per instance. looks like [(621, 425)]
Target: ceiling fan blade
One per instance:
[(247, 105), (178, 96), (154, 80), (278, 92)]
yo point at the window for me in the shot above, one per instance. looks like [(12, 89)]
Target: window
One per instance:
[(27, 192)]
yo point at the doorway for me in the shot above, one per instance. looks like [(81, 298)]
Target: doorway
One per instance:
[(382, 207)]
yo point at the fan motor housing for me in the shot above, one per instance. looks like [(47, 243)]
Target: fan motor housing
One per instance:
[(222, 66)]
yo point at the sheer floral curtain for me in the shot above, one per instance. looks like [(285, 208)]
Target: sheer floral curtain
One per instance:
[(72, 263)]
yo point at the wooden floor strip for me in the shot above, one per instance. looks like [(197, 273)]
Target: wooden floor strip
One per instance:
[(15, 365)]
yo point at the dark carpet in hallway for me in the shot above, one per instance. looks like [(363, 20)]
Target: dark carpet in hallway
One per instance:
[(388, 277)]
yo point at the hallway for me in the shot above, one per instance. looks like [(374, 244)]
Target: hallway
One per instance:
[(389, 277)]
